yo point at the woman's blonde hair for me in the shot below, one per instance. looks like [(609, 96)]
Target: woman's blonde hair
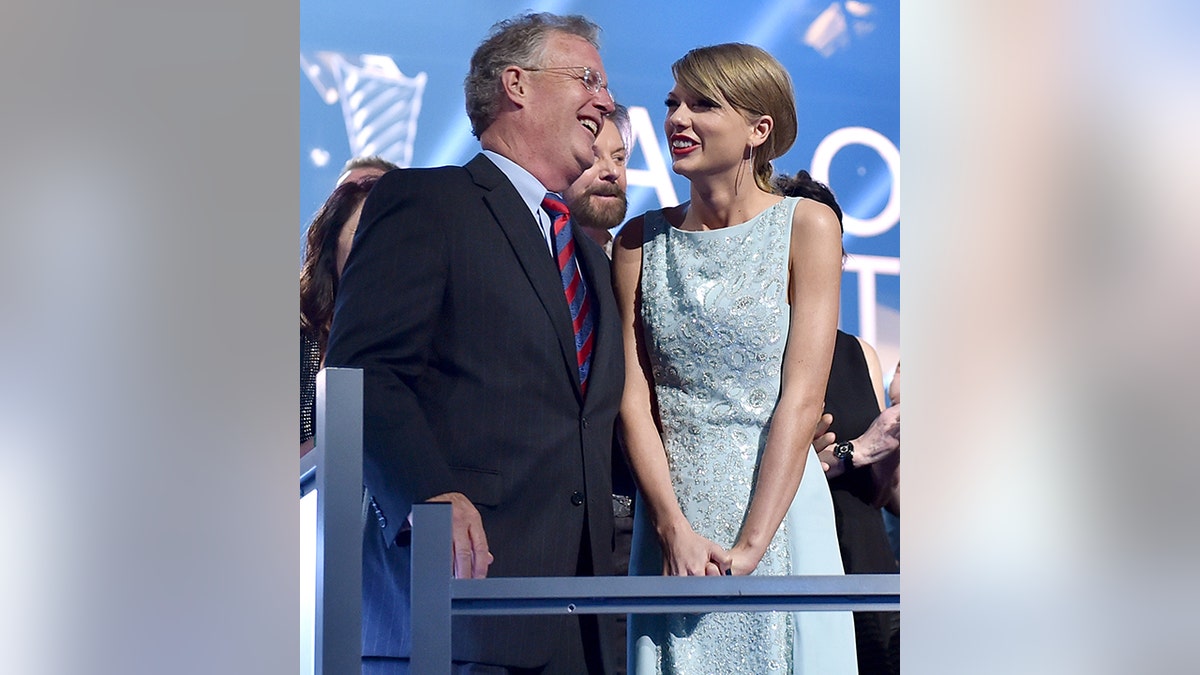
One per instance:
[(751, 81)]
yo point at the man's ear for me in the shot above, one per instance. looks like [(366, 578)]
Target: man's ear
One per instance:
[(516, 84)]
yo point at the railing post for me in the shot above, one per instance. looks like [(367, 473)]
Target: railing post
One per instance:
[(432, 556), (338, 632)]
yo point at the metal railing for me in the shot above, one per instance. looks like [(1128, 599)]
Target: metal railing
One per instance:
[(436, 596), (334, 469)]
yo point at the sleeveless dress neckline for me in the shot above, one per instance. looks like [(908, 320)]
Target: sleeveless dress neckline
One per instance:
[(688, 205)]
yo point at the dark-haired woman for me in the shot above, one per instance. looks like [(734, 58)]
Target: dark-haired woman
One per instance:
[(328, 245)]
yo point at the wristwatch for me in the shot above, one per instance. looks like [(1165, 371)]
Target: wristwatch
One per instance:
[(845, 452)]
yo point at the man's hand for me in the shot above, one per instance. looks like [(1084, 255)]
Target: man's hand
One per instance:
[(471, 555), (880, 440)]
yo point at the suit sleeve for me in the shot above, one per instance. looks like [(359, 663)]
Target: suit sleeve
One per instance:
[(385, 320)]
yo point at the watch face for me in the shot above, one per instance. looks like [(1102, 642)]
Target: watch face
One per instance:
[(843, 450)]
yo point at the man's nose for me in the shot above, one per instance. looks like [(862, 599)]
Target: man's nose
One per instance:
[(604, 101)]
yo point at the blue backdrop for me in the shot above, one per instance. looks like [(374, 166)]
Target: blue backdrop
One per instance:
[(386, 78)]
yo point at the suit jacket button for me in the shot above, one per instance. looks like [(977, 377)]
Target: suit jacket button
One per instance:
[(585, 423), (577, 498)]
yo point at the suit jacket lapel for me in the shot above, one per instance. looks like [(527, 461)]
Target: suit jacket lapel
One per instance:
[(513, 217)]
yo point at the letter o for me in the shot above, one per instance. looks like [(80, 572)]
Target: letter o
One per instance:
[(823, 156)]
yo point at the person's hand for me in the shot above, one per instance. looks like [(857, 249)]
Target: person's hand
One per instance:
[(823, 440), (686, 553), (743, 560), (822, 436), (832, 466), (471, 555), (880, 440)]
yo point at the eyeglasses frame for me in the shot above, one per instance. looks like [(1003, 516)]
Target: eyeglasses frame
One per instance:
[(588, 72)]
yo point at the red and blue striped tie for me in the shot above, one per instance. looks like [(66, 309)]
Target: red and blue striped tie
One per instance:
[(573, 287)]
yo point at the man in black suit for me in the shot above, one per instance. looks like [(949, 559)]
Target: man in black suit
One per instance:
[(483, 386)]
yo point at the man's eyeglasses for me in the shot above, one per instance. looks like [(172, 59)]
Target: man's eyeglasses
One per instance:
[(592, 80)]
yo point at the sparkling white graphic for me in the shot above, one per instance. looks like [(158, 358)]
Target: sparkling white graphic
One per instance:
[(380, 104)]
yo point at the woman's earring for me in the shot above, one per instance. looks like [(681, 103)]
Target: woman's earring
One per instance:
[(737, 181)]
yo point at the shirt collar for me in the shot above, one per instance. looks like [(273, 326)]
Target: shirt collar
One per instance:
[(531, 189)]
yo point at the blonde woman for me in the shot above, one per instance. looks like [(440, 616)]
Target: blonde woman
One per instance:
[(729, 309)]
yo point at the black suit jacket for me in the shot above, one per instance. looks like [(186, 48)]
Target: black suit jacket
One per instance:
[(453, 307)]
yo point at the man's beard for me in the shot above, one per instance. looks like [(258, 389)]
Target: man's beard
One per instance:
[(597, 214)]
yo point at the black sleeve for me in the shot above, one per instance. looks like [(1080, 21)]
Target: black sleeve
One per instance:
[(384, 322)]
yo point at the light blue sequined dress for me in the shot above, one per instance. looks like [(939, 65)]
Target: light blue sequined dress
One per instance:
[(715, 315)]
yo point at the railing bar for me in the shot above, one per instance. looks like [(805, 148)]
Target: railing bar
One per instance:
[(338, 453), (430, 583), (695, 606), (308, 474), (572, 588)]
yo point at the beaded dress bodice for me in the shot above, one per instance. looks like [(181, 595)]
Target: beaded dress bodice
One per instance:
[(715, 316)]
